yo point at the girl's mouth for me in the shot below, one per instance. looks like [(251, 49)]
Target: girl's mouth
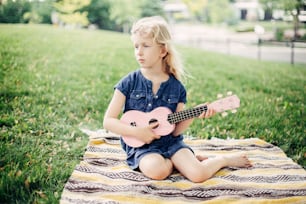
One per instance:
[(141, 60)]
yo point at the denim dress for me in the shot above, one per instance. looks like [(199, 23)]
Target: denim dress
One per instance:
[(139, 96)]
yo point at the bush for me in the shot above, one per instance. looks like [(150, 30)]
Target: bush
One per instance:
[(13, 11), (279, 34)]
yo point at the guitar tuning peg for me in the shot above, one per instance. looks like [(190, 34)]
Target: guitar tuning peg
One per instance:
[(219, 96), (229, 93), (234, 111)]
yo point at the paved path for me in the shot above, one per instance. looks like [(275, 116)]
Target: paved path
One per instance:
[(242, 44)]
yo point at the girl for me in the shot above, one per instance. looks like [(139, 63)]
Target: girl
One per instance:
[(157, 83)]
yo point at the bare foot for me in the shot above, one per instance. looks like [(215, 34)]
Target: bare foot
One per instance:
[(201, 157), (237, 160)]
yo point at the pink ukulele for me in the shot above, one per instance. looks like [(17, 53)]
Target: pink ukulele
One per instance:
[(167, 119)]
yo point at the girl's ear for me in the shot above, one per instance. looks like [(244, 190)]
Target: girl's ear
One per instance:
[(164, 51)]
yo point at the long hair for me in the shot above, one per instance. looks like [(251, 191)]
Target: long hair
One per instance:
[(157, 28)]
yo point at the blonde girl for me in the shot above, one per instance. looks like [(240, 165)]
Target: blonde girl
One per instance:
[(156, 83)]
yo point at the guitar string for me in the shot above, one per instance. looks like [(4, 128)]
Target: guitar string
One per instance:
[(186, 114), (190, 113)]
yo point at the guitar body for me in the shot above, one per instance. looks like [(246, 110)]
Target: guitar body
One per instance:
[(142, 119)]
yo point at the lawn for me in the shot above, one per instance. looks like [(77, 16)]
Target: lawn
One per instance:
[(54, 81)]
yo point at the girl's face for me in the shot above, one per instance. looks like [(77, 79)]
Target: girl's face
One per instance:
[(148, 53)]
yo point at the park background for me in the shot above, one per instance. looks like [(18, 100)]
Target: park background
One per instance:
[(59, 61)]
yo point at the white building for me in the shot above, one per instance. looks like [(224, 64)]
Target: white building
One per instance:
[(249, 10)]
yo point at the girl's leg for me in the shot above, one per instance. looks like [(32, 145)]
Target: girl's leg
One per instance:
[(198, 171), (201, 157), (155, 166)]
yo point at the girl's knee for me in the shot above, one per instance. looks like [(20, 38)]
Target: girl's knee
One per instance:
[(159, 173), (198, 178), (156, 167), (196, 175)]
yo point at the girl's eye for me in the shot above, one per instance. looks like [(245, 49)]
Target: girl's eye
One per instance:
[(145, 46)]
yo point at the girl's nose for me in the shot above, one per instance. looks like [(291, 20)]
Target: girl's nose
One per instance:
[(139, 51)]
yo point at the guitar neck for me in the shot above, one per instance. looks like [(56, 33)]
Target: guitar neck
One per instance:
[(186, 114)]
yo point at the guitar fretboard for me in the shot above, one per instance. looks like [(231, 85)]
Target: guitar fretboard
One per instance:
[(186, 114)]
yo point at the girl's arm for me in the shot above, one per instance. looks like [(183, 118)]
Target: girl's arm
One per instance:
[(113, 124), (182, 126), (111, 121)]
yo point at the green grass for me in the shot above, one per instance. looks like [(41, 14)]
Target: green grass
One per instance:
[(268, 25), (53, 81)]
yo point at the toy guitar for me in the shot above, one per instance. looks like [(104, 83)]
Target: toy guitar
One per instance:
[(167, 119)]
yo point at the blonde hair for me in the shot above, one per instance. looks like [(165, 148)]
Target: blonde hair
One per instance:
[(157, 28)]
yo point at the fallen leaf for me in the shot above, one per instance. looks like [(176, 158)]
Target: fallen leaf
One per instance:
[(41, 194), (27, 183)]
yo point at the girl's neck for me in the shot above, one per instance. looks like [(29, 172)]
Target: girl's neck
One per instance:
[(155, 75)]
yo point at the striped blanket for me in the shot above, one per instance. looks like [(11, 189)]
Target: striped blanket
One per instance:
[(104, 177)]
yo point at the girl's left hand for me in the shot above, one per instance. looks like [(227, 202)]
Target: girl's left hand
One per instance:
[(207, 114)]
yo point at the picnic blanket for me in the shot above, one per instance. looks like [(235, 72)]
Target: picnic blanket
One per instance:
[(104, 177)]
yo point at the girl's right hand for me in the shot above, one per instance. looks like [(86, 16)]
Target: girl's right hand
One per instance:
[(145, 134)]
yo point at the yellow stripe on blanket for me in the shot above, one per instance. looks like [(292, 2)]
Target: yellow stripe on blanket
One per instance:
[(104, 177)]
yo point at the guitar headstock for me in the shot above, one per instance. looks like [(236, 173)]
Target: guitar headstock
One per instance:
[(227, 103)]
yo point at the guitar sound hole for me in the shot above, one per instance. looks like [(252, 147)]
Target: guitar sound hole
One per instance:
[(153, 120)]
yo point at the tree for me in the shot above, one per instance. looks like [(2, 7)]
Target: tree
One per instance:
[(40, 11), (70, 12), (125, 12), (197, 8), (268, 7), (220, 11), (99, 13), (291, 7), (44, 10), (13, 11), (151, 8), (211, 10)]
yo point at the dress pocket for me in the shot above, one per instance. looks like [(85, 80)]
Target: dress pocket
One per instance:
[(170, 101), (137, 100)]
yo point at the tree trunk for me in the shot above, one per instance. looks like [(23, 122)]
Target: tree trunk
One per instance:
[(296, 21)]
